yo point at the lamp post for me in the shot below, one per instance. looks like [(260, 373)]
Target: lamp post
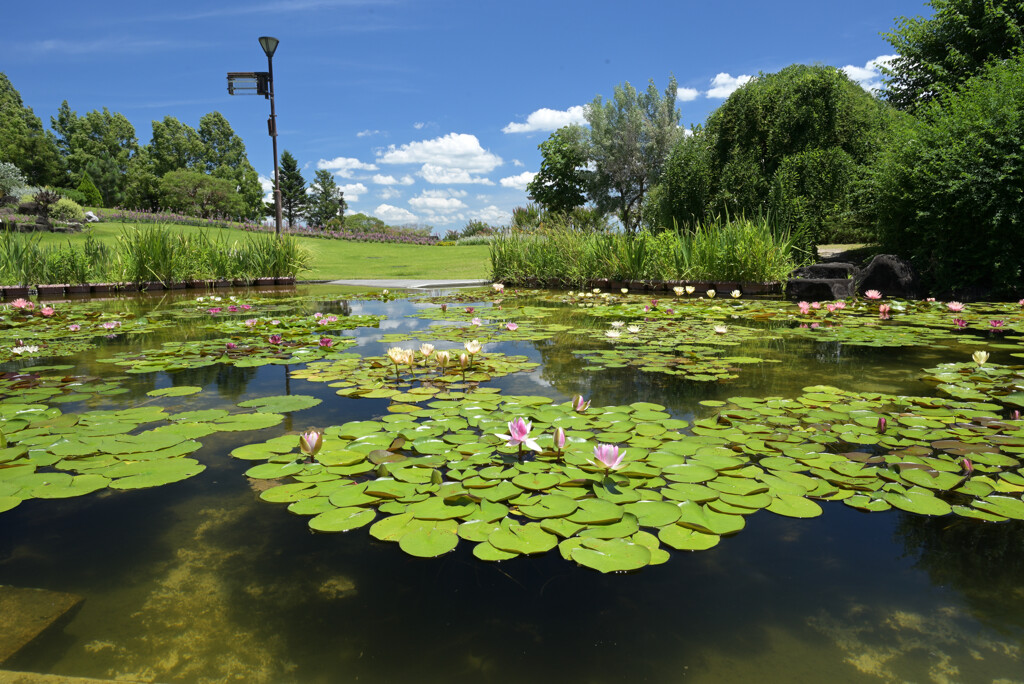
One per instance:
[(262, 83)]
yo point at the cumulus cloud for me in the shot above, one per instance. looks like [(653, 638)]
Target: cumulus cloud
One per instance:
[(687, 94), (452, 151), (367, 133), (516, 162), (869, 76), (439, 175), (493, 214), (381, 179), (353, 191), (437, 205), (386, 212), (723, 85), (443, 192), (519, 182), (419, 125), (545, 119), (344, 166)]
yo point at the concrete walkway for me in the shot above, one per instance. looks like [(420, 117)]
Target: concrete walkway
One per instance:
[(410, 284)]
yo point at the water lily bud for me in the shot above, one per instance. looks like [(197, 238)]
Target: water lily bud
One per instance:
[(711, 294), (980, 357), (463, 361), (625, 290), (310, 441), (559, 437), (881, 425), (1015, 415), (578, 404), (444, 307), (967, 465)]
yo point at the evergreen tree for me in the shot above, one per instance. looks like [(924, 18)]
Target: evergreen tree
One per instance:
[(24, 142), (91, 192), (293, 189), (326, 200)]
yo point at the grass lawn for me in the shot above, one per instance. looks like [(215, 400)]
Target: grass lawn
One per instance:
[(336, 259)]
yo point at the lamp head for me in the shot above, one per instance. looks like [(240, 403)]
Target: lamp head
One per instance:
[(269, 45)]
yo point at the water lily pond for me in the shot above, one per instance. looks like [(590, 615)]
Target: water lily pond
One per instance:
[(331, 485)]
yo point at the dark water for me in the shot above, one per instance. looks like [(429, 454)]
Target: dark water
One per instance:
[(200, 581)]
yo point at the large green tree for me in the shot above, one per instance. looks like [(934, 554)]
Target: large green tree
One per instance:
[(293, 189), (944, 50), (631, 136), (561, 183), (326, 200), (947, 189), (199, 194), (24, 142), (788, 144), (100, 143), (174, 146)]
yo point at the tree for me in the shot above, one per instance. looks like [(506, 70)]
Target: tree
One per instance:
[(11, 179), (174, 146), (788, 145), (561, 183), (946, 188), (631, 136), (326, 200), (23, 141), (101, 143), (199, 194), (293, 189), (142, 185), (93, 198), (946, 49)]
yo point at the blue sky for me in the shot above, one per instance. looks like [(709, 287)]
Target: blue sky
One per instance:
[(428, 111)]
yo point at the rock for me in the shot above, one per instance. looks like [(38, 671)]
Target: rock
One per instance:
[(28, 208), (819, 289), (836, 270), (890, 275), (91, 217)]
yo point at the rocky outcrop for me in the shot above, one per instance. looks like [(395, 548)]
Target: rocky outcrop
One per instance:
[(888, 274)]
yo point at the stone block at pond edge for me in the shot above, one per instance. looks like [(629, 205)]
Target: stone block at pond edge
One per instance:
[(836, 270), (890, 275), (818, 289)]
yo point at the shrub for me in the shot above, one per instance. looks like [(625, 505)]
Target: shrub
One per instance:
[(46, 198), (477, 228), (11, 179), (66, 265), (67, 211), (71, 194), (91, 194)]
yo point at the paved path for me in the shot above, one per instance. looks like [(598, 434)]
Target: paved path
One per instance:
[(407, 283)]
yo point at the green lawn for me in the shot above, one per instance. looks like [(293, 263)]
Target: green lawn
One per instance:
[(336, 259)]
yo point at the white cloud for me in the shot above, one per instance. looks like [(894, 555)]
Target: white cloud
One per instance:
[(723, 85), (419, 125), (519, 181), (381, 179), (869, 76), (438, 175), (353, 191), (344, 166), (389, 193), (547, 120), (267, 184), (386, 212), (437, 205), (493, 214), (516, 162), (452, 151), (687, 94), (443, 192), (367, 133)]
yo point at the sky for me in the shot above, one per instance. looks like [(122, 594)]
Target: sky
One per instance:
[(426, 111)]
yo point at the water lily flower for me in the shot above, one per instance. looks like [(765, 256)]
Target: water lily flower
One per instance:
[(980, 357), (442, 358), (519, 434), (711, 294), (884, 309), (613, 333), (230, 345), (469, 309), (578, 404), (960, 323), (831, 307), (690, 289), (214, 310), (881, 425), (473, 347), (476, 321), (26, 349), (274, 339), (625, 290), (608, 456), (200, 299), (721, 329), (670, 311), (955, 307), (74, 327), (310, 441), (597, 290), (997, 323), (47, 311), (232, 308), (426, 349), (1021, 302), (246, 307), (275, 322), (967, 466), (617, 324), (1015, 415), (444, 308), (384, 292), (840, 304), (250, 322), (512, 325), (110, 325), (318, 315), (873, 294), (815, 305), (633, 328), (679, 290), (558, 437), (463, 361), (735, 294), (654, 303), (929, 299), (21, 303), (326, 342), (216, 299), (498, 287), (804, 307)]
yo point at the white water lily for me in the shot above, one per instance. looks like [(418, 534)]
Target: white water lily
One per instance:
[(690, 289), (679, 290), (735, 294), (613, 333), (633, 328), (27, 349), (980, 357), (617, 324), (711, 294), (624, 290), (721, 329)]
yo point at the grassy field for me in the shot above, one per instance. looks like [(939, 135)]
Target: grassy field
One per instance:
[(337, 259)]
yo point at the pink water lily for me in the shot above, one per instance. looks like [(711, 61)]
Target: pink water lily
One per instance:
[(274, 339), (805, 307), (815, 305), (883, 310), (233, 308), (881, 425), (997, 323), (608, 456), (230, 345), (250, 322), (310, 441), (21, 303), (558, 437), (831, 307), (469, 309), (955, 307), (840, 305), (74, 327), (960, 323), (110, 325), (519, 434), (873, 294), (512, 325), (476, 321), (578, 404), (47, 311), (326, 342)]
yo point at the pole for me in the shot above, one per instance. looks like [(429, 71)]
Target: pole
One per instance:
[(273, 135)]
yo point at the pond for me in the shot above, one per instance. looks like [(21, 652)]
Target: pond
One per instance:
[(754, 493)]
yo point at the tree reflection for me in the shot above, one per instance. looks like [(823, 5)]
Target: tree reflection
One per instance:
[(231, 382)]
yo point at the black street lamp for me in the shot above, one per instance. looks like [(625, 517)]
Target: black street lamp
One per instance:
[(262, 83)]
